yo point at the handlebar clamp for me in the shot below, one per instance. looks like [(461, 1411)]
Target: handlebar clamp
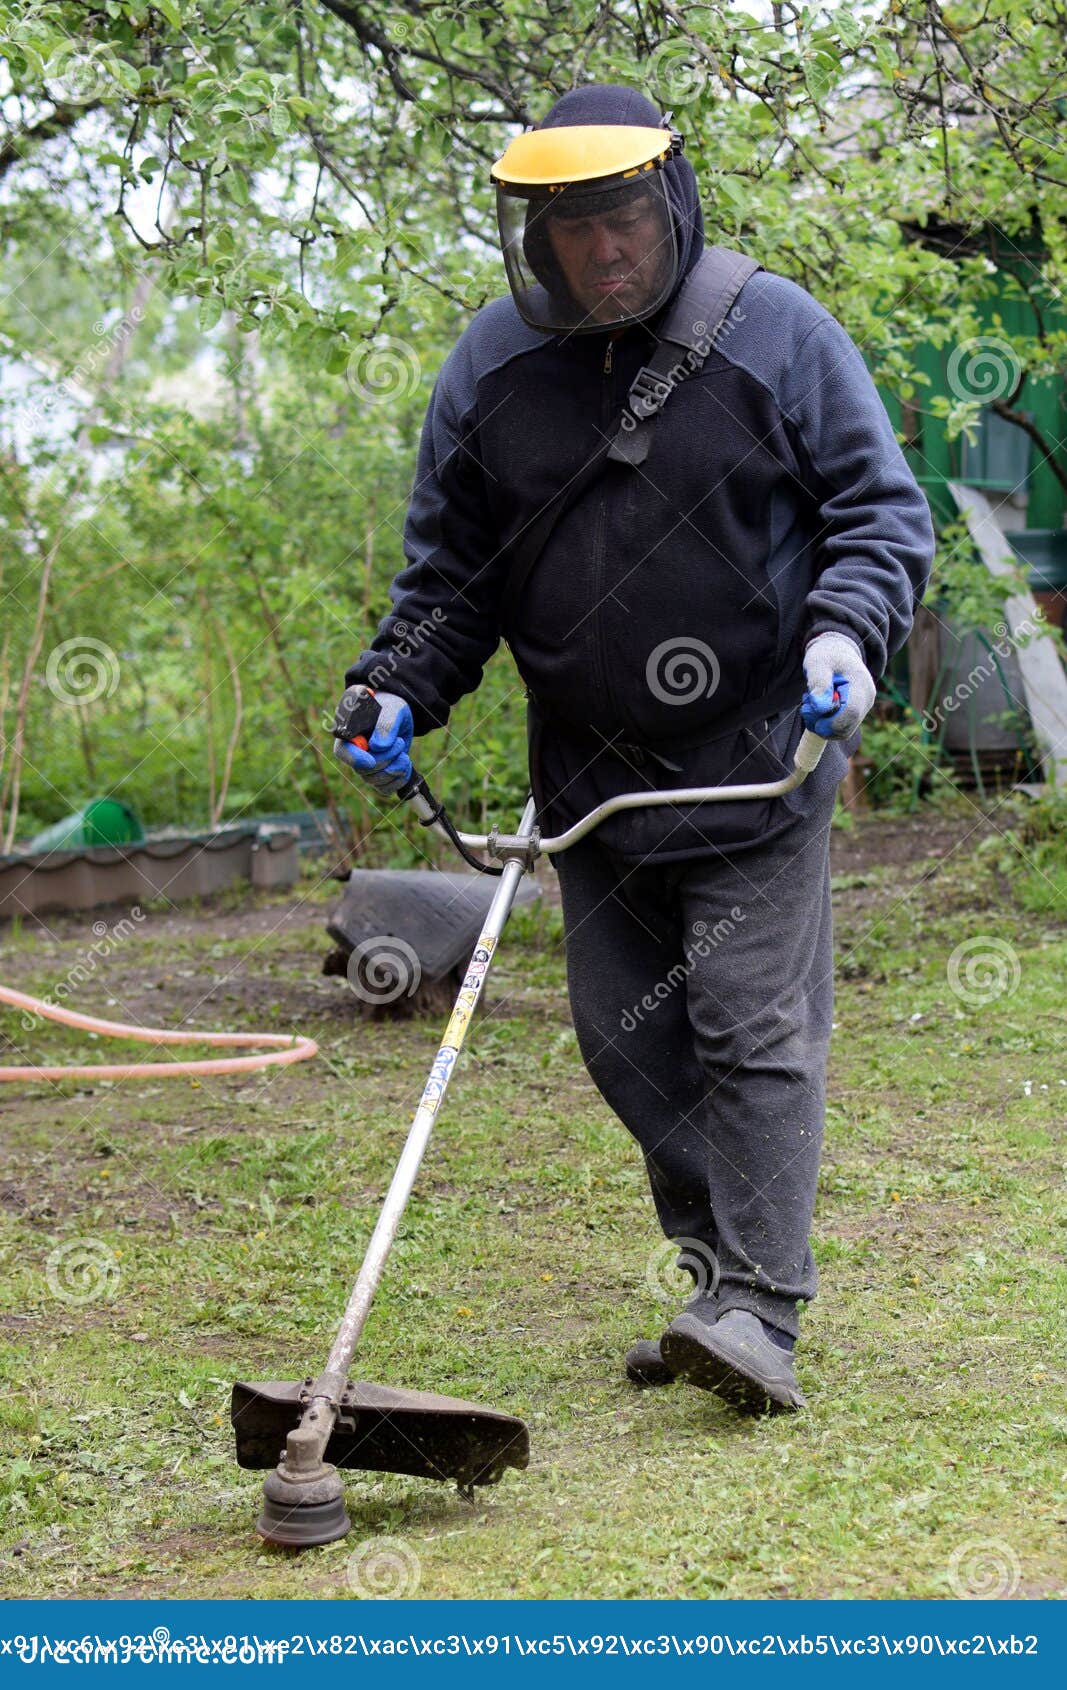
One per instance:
[(514, 847)]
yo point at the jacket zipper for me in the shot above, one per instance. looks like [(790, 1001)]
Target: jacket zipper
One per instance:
[(601, 665)]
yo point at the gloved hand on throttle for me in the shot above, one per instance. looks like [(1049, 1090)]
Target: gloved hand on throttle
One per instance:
[(386, 763), (832, 662)]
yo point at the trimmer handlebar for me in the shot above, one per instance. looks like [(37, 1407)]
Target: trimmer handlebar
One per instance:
[(355, 720)]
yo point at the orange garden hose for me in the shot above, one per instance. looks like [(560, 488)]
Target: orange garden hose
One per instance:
[(296, 1048)]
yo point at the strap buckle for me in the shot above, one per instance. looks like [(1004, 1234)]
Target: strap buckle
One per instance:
[(649, 392)]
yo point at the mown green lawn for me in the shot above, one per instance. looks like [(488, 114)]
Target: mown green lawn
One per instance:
[(930, 1460)]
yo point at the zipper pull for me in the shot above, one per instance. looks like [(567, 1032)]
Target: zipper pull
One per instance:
[(609, 357)]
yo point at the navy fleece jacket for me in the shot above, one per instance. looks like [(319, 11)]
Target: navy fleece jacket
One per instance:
[(775, 503)]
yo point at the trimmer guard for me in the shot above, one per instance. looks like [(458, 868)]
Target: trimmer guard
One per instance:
[(382, 1430)]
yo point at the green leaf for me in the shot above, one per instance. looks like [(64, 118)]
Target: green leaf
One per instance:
[(126, 74), (848, 28)]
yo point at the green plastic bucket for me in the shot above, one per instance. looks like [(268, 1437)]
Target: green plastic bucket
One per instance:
[(103, 821)]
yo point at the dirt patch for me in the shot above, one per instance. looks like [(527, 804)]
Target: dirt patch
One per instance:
[(876, 841), (262, 913)]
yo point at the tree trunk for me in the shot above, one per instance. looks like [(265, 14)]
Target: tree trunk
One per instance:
[(13, 781)]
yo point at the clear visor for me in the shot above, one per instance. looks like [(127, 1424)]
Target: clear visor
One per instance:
[(589, 257)]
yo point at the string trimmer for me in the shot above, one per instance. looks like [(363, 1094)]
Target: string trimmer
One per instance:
[(328, 1421)]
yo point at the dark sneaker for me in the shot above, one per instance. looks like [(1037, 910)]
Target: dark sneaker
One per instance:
[(644, 1360), (735, 1359), (645, 1364)]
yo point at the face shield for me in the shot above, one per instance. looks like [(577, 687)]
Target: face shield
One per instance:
[(588, 238)]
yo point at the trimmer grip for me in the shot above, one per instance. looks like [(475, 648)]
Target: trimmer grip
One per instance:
[(808, 751), (355, 720), (357, 716)]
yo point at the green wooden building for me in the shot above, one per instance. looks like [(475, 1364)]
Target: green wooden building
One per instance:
[(1012, 466)]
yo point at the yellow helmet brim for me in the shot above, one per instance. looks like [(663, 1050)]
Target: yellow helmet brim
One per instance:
[(580, 152)]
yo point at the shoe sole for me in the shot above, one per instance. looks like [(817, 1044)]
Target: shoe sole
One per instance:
[(692, 1355), (652, 1371), (650, 1375)]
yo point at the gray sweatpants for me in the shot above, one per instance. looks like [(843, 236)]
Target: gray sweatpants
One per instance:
[(702, 997)]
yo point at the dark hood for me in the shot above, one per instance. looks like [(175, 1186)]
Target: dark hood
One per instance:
[(605, 102)]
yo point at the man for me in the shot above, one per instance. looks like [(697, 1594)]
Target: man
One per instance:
[(771, 543)]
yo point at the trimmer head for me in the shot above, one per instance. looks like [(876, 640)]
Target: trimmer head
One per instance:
[(306, 1515), (379, 1430)]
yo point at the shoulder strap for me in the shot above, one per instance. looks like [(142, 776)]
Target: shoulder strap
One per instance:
[(685, 339)]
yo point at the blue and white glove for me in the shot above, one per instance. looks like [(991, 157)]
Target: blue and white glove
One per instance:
[(386, 763), (832, 662)]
